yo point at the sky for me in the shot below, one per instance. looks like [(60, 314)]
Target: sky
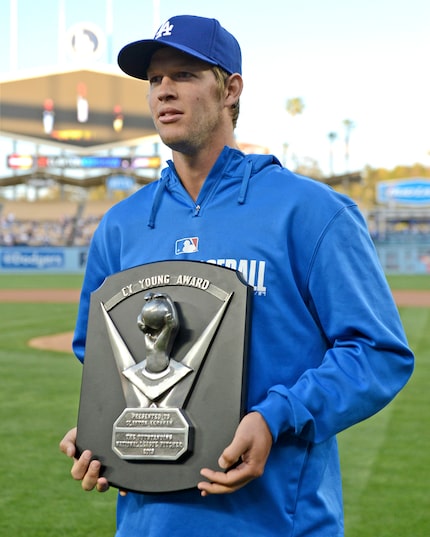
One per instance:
[(366, 61)]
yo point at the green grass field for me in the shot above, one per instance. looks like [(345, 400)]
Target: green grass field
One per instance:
[(385, 460)]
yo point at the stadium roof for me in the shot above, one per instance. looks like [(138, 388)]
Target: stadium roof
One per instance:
[(83, 110)]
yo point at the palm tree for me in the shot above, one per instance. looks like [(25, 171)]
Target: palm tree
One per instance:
[(332, 136), (294, 107)]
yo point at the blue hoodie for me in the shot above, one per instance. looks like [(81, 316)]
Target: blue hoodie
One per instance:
[(327, 345)]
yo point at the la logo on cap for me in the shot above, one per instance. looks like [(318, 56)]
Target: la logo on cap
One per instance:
[(164, 30)]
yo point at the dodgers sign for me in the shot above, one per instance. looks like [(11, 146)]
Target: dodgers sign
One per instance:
[(404, 192)]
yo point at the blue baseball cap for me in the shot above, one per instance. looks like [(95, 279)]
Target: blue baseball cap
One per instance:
[(200, 37)]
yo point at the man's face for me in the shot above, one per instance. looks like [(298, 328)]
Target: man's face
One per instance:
[(185, 104)]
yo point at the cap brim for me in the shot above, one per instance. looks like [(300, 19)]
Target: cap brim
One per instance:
[(134, 58)]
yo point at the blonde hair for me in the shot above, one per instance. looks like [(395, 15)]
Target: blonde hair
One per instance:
[(221, 78)]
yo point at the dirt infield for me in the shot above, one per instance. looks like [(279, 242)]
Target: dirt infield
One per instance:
[(409, 298), (63, 342), (40, 295)]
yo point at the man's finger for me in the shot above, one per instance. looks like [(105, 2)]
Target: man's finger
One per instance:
[(221, 482), (102, 484), (91, 477), (80, 466), (67, 444)]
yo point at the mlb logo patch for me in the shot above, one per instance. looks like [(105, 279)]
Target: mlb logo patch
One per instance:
[(187, 245)]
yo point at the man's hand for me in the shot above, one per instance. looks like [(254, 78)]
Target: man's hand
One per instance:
[(249, 450), (84, 469)]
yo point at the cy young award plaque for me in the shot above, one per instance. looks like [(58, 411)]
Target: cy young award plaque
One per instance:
[(164, 376)]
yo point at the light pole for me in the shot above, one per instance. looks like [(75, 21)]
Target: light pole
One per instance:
[(348, 125)]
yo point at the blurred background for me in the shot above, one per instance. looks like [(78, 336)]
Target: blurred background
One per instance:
[(336, 90)]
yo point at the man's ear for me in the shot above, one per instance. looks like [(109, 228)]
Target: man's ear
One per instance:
[(233, 89)]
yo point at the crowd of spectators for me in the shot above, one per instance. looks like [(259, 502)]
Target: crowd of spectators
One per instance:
[(77, 227), (401, 232), (65, 230)]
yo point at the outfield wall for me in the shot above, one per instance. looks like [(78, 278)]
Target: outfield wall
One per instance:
[(407, 257), (396, 258), (43, 259)]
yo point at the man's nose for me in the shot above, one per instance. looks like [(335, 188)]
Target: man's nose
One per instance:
[(166, 87)]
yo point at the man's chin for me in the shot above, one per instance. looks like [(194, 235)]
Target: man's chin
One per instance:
[(178, 144)]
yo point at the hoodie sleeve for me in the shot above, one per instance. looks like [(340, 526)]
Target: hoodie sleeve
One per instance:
[(368, 360), (99, 266)]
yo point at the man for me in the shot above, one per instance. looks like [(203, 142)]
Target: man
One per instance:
[(327, 347)]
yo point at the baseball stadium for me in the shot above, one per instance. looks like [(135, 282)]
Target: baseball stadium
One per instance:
[(67, 163)]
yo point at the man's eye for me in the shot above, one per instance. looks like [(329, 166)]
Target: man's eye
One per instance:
[(154, 80), (183, 75)]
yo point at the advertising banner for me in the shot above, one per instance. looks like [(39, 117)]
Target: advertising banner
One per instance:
[(411, 192)]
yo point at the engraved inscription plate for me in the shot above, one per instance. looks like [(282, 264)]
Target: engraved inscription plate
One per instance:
[(151, 434)]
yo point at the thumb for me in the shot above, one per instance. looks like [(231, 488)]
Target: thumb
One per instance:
[(231, 454)]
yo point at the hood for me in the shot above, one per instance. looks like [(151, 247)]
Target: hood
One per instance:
[(230, 163)]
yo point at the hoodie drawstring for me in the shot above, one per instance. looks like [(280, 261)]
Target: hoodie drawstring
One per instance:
[(165, 178), (157, 200), (245, 182)]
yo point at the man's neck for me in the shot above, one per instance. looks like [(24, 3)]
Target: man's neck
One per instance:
[(193, 169)]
